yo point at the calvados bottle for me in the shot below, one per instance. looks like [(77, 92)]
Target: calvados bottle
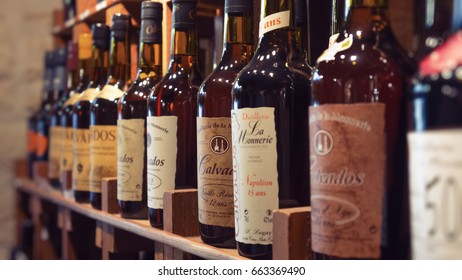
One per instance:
[(32, 136), (357, 141), (131, 125), (214, 155), (267, 132), (435, 154), (103, 111), (172, 109)]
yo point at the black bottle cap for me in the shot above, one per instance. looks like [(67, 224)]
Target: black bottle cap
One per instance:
[(151, 10), (120, 25), (49, 59), (300, 12), (72, 55), (101, 35), (238, 6), (60, 57), (184, 13)]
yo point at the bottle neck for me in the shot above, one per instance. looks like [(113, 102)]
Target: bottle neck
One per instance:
[(301, 41), (184, 48), (73, 79), (85, 72), (150, 60), (365, 19), (100, 64), (238, 39), (119, 62)]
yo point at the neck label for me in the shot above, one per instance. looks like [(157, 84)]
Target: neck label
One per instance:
[(274, 21)]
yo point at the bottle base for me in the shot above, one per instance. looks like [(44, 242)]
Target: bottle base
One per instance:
[(133, 210), (222, 237), (82, 196), (255, 251)]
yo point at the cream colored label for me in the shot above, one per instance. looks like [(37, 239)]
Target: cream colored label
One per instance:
[(335, 48), (274, 21), (333, 39), (435, 165), (347, 151), (103, 158), (72, 99), (255, 174), (162, 151), (81, 160), (89, 94), (215, 172), (54, 151), (130, 163), (110, 93), (65, 162)]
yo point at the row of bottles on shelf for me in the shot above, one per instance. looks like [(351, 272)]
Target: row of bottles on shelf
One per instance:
[(366, 138)]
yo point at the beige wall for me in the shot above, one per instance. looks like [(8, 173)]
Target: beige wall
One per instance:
[(25, 27)]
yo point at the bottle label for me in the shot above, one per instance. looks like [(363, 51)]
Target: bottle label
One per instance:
[(103, 154), (347, 155), (110, 93), (256, 184), (42, 145), (274, 21), (81, 159), (31, 141), (435, 166), (335, 47), (72, 99), (162, 151), (215, 172), (65, 162), (130, 164), (89, 94), (54, 152)]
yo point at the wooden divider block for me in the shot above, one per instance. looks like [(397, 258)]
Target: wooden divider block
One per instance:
[(40, 170), (66, 180), (109, 195), (115, 240), (21, 169), (292, 234)]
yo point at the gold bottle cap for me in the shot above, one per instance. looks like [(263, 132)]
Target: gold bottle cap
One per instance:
[(85, 42)]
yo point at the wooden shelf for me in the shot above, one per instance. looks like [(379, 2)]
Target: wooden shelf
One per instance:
[(192, 245)]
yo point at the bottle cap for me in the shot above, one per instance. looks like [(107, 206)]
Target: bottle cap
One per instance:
[(85, 46), (72, 56), (300, 12), (120, 25), (101, 36), (151, 22), (49, 59), (60, 57), (151, 10), (238, 6), (184, 13)]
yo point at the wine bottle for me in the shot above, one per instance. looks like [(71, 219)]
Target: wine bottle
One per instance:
[(103, 110), (214, 156), (435, 167), (32, 135), (267, 131), (131, 125), (98, 66), (357, 141), (172, 109)]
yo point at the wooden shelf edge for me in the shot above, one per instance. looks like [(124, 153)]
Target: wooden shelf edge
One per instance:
[(192, 245)]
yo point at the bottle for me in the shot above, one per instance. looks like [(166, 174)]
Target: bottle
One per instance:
[(103, 110), (131, 125), (435, 168), (267, 134), (214, 155), (357, 141), (32, 134), (172, 109), (338, 17)]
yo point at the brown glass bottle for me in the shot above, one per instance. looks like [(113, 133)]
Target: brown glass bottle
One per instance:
[(214, 156), (267, 132), (172, 109), (357, 141), (103, 110), (131, 125)]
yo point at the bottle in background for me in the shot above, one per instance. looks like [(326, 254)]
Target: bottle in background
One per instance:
[(214, 155), (172, 109), (131, 125)]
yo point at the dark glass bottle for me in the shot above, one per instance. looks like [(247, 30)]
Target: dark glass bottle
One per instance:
[(103, 110), (358, 141), (172, 109), (435, 153), (32, 133), (131, 125), (267, 129), (214, 155)]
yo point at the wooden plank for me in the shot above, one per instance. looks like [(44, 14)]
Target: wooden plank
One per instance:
[(109, 195), (180, 212), (292, 230)]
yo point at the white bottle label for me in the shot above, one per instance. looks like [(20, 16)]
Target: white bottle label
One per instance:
[(130, 159), (162, 149), (274, 21), (255, 174), (435, 166), (110, 93)]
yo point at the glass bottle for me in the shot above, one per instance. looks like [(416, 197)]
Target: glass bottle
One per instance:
[(172, 109), (214, 155), (131, 125)]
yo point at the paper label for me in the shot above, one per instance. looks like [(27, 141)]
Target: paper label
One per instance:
[(110, 93), (103, 157), (335, 48), (72, 99), (41, 145), (274, 21), (215, 172), (162, 151), (89, 94), (130, 164), (65, 163), (435, 167), (347, 151), (81, 159), (256, 184), (54, 151)]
